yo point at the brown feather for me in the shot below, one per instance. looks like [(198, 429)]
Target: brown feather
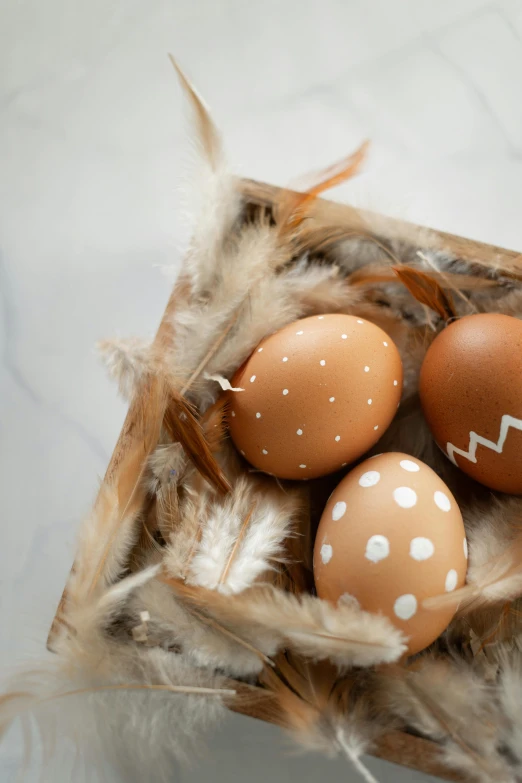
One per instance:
[(182, 425), (427, 291)]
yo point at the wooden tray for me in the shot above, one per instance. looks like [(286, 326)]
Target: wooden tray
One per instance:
[(398, 747)]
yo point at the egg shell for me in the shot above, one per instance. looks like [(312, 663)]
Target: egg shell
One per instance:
[(317, 395), (471, 394), (391, 536)]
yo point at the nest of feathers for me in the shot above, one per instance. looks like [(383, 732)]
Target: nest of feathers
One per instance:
[(192, 591)]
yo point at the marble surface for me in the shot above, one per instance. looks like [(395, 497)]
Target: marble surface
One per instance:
[(93, 146)]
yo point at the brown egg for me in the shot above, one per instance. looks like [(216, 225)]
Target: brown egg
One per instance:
[(391, 536), (317, 395), (471, 394)]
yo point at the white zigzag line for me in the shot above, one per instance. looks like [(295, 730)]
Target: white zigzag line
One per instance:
[(475, 440)]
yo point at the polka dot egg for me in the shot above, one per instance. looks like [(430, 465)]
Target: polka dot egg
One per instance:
[(392, 536), (316, 395)]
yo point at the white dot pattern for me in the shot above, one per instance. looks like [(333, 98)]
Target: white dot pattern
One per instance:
[(265, 451), (421, 548), (405, 606), (370, 478), (409, 465), (377, 548), (299, 432), (451, 580), (336, 428), (405, 497), (338, 511), (395, 383), (302, 466), (385, 343), (326, 553), (442, 501)]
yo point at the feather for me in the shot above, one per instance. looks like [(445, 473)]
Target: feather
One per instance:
[(137, 707), (220, 204), (344, 634), (127, 361), (203, 641), (495, 557), (321, 712), (317, 182), (450, 704), (183, 427), (223, 382), (238, 541), (427, 291)]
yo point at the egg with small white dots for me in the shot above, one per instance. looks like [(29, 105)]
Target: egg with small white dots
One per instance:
[(316, 395), (392, 536)]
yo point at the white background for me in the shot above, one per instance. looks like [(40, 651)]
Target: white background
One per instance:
[(93, 146)]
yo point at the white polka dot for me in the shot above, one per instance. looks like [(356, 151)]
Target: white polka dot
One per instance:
[(265, 451), (259, 350), (339, 510), (394, 383), (366, 369), (465, 546), (370, 401), (299, 432), (385, 343), (326, 553), (370, 478), (302, 466), (442, 501), (322, 362), (300, 332), (285, 392), (377, 548), (405, 497), (285, 358), (332, 399), (344, 336), (233, 414), (407, 464), (348, 600), (421, 548), (252, 379), (405, 606), (376, 427), (258, 415), (337, 438), (320, 317), (359, 321), (451, 580)]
